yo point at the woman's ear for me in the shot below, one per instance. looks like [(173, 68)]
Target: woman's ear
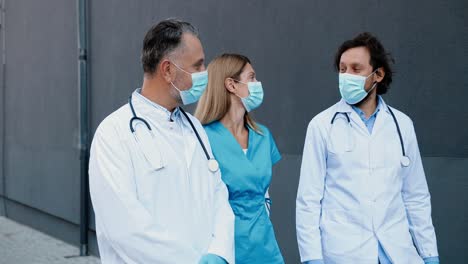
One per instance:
[(379, 75), (229, 85)]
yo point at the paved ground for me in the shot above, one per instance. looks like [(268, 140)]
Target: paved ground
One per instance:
[(20, 244)]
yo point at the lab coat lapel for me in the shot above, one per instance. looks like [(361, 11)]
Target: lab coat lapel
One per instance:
[(157, 117), (382, 118), (355, 119), (147, 109)]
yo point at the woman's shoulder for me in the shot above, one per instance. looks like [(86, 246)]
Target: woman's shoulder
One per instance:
[(212, 127), (264, 131)]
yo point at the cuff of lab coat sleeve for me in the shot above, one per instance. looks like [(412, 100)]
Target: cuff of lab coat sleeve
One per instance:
[(431, 260), (226, 254), (311, 255), (315, 261)]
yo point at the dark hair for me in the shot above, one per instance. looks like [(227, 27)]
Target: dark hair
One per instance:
[(162, 39), (378, 57)]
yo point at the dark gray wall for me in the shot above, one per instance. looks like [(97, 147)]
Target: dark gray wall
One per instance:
[(41, 107), (291, 44), (2, 105)]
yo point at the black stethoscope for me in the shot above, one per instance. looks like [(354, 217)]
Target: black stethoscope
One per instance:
[(213, 165), (405, 160)]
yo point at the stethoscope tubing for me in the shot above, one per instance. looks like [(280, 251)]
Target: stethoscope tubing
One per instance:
[(403, 151), (137, 118)]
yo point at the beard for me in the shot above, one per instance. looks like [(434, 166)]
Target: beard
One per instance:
[(175, 94), (368, 96), (363, 100)]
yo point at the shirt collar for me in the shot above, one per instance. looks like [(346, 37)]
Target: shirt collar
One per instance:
[(344, 107), (149, 107), (363, 115)]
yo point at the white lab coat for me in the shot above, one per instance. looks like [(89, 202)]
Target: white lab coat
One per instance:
[(174, 214), (354, 193)]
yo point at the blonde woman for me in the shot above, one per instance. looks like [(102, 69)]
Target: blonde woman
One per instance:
[(245, 151)]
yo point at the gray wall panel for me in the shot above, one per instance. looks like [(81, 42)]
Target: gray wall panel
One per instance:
[(2, 101), (42, 108), (115, 52), (50, 184), (283, 190), (448, 183), (49, 224)]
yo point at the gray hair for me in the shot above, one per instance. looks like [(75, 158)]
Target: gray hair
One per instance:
[(162, 39)]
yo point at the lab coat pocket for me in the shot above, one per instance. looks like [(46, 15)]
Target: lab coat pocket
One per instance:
[(149, 148), (341, 232), (149, 167), (147, 179), (340, 139), (343, 218), (337, 161), (393, 155)]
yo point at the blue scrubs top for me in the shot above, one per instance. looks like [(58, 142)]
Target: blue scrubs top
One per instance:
[(247, 177)]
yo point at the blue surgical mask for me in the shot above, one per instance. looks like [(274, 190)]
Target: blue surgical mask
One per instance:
[(352, 87), (199, 82), (255, 97)]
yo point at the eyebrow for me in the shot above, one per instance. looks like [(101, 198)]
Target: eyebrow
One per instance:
[(353, 65), (199, 62)]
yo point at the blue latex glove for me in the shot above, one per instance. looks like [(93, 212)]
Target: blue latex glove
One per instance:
[(431, 260), (315, 261), (211, 259)]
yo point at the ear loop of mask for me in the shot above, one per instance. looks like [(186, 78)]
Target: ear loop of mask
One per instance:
[(242, 83), (181, 68), (175, 87), (375, 83), (373, 87), (177, 66)]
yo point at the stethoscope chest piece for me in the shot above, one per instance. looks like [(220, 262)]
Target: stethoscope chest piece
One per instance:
[(213, 165), (405, 161)]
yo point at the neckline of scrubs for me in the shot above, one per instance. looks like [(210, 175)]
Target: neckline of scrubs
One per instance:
[(239, 147)]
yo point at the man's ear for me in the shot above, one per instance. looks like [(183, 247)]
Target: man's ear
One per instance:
[(166, 70), (229, 85), (379, 75)]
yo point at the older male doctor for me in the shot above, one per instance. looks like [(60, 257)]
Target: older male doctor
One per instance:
[(155, 187), (363, 196)]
